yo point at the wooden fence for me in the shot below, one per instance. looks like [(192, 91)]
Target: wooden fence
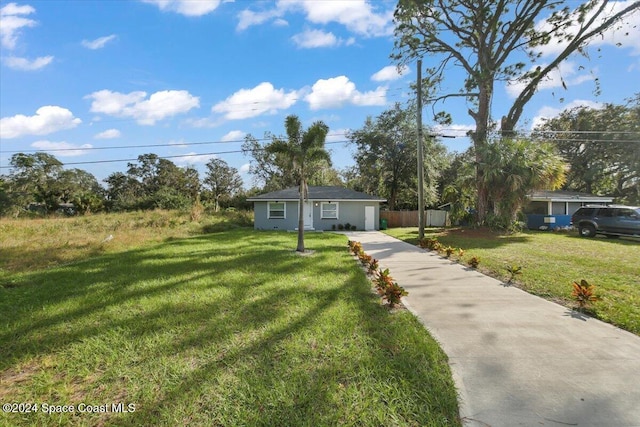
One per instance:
[(433, 218)]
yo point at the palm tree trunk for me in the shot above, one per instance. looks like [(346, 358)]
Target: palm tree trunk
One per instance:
[(300, 247)]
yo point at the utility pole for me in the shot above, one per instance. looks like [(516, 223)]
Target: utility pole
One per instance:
[(420, 157)]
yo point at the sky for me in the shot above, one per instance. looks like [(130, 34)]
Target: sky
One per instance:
[(98, 83)]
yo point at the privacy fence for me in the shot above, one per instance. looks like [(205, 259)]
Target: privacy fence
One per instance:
[(433, 218)]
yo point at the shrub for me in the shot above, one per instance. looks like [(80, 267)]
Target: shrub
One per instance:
[(383, 277), (333, 227), (373, 266), (365, 259), (393, 294), (584, 293), (356, 247), (513, 271), (340, 227), (430, 243), (388, 289), (347, 226), (354, 228), (448, 251), (474, 261)]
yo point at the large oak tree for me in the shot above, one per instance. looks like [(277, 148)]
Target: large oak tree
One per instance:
[(495, 40), (386, 158)]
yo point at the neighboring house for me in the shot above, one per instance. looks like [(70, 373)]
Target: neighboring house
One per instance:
[(326, 208), (553, 209)]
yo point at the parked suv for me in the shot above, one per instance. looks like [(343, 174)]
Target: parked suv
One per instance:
[(612, 221)]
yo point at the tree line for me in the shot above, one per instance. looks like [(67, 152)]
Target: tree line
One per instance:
[(38, 184), (593, 150), (491, 41)]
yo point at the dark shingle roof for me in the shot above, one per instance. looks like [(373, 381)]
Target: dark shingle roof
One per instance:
[(317, 193)]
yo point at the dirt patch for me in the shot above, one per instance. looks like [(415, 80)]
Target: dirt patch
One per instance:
[(13, 377), (307, 252)]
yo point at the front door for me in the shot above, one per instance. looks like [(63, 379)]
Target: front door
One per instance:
[(369, 218), (308, 215)]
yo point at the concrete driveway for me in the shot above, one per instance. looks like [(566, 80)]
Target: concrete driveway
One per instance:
[(517, 359)]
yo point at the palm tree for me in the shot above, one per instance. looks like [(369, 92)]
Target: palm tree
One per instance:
[(513, 168), (302, 148)]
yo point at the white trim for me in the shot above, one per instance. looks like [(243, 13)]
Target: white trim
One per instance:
[(284, 210), (322, 216)]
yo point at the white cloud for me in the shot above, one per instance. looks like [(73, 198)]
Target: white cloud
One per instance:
[(626, 32), (68, 150), (317, 38), (108, 134), (24, 64), (12, 20), (203, 122), (158, 106), (245, 168), (358, 16), (248, 18), (112, 103), (390, 72), (234, 135), (186, 7), (279, 22), (566, 71), (48, 119), (98, 43), (193, 158), (262, 99), (338, 91), (548, 112)]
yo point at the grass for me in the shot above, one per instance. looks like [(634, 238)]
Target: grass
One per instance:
[(222, 329), (551, 262), (28, 244)]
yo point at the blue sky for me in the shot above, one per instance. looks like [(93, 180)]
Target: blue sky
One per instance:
[(193, 77)]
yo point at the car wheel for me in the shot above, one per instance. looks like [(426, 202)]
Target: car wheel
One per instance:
[(587, 230)]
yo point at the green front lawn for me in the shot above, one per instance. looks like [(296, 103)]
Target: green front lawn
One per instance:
[(551, 262), (224, 329)]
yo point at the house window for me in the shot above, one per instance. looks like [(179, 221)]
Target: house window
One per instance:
[(276, 210), (329, 211)]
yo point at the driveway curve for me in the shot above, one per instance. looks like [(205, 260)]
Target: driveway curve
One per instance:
[(516, 359)]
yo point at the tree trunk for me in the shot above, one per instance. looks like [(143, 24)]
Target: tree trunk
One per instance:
[(300, 247), (482, 117)]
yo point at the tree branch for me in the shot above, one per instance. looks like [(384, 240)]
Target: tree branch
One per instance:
[(581, 37)]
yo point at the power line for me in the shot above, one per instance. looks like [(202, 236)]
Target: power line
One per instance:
[(91, 162), (582, 131), (554, 132), (169, 144)]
